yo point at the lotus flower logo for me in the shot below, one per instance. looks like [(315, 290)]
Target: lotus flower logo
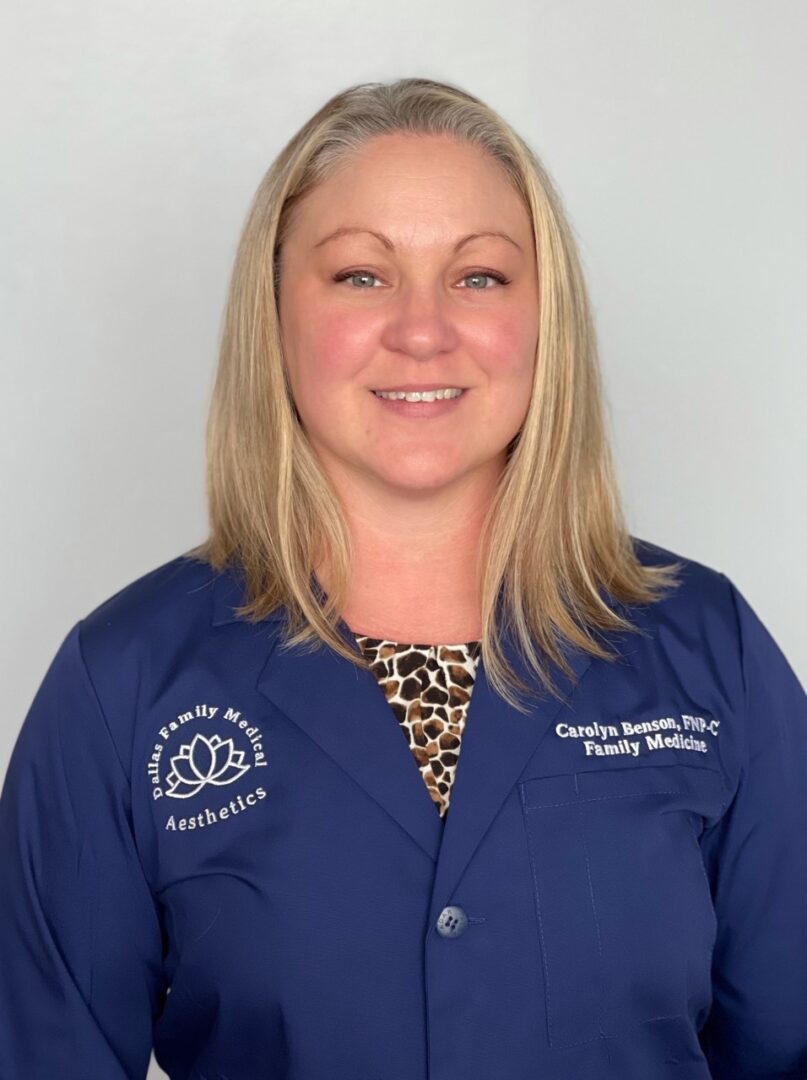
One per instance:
[(204, 761)]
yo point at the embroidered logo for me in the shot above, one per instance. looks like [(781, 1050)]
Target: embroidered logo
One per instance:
[(204, 761)]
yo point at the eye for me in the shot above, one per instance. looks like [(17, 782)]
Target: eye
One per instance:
[(500, 278), (346, 274)]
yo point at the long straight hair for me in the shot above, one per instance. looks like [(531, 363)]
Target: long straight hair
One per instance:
[(555, 557)]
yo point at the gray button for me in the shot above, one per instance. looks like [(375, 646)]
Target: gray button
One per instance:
[(452, 921)]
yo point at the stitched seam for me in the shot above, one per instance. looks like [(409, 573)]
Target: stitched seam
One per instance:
[(600, 798), (601, 967), (536, 894)]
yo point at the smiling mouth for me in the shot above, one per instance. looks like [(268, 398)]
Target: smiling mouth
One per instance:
[(447, 394)]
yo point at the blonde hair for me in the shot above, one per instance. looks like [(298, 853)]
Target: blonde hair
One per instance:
[(554, 537)]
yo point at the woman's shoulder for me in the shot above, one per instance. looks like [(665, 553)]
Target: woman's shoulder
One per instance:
[(145, 626), (711, 622), (706, 623), (650, 553), (170, 595), (704, 593)]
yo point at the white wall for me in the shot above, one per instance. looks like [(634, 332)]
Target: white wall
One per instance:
[(136, 133)]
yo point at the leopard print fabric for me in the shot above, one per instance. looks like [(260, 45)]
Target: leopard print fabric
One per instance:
[(429, 689)]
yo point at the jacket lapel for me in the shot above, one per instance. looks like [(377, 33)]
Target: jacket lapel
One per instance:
[(343, 709)]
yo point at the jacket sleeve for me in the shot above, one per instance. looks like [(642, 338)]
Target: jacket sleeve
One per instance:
[(756, 860), (80, 935)]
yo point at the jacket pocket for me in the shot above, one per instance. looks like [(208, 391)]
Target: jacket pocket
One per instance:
[(625, 917)]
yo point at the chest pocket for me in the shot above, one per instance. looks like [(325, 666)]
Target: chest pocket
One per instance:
[(625, 916)]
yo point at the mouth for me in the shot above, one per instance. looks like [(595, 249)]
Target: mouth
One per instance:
[(421, 404), (448, 393)]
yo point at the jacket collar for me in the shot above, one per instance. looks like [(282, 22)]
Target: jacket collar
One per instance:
[(228, 593)]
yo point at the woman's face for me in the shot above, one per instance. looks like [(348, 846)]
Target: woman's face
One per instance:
[(382, 286)]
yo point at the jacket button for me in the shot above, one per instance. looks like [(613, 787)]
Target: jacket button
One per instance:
[(452, 922)]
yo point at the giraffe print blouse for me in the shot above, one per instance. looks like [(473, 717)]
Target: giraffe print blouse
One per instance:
[(429, 689)]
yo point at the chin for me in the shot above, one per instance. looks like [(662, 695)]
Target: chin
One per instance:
[(421, 480)]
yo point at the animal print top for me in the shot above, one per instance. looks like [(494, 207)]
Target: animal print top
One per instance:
[(429, 689)]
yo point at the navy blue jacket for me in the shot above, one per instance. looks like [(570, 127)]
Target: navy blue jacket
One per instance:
[(224, 849)]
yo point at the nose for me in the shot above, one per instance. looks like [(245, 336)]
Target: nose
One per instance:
[(419, 323)]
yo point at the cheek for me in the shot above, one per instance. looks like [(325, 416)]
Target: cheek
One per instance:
[(326, 358), (506, 347), (337, 346), (505, 351)]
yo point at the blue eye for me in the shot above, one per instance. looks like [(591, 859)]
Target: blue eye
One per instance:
[(345, 275), (485, 274)]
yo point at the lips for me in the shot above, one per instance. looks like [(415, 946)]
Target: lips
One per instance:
[(429, 396), (415, 388), (419, 409)]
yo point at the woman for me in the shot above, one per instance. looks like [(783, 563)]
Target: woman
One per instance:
[(215, 839)]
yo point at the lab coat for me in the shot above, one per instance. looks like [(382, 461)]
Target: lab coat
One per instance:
[(224, 849)]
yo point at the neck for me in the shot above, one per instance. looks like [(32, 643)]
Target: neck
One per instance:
[(414, 570)]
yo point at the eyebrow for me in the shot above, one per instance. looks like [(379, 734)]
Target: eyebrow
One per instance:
[(347, 230)]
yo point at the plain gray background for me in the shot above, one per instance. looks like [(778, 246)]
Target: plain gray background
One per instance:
[(135, 135)]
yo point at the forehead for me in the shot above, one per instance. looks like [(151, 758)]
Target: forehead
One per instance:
[(414, 187)]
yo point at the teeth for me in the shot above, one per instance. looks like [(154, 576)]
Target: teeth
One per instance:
[(419, 395)]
